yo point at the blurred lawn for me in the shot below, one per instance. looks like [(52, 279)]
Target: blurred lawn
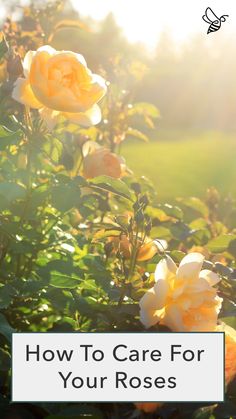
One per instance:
[(181, 165)]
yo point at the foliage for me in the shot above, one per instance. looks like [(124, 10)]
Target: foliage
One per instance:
[(75, 251)]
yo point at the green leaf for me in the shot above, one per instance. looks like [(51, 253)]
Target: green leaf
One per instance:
[(157, 213), (146, 109), (110, 184), (180, 230), (5, 329), (160, 232), (196, 204), (54, 149), (11, 191), (6, 293), (229, 320), (201, 236), (38, 197), (5, 360), (198, 223), (177, 255), (232, 248), (102, 234), (60, 280), (132, 132), (172, 211), (8, 137), (65, 197), (204, 413), (223, 270), (221, 243)]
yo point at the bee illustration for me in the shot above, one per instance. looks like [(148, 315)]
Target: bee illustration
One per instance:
[(213, 20)]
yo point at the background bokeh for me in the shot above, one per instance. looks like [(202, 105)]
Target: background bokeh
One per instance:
[(188, 74)]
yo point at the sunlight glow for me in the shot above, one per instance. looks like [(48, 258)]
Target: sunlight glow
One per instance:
[(144, 20)]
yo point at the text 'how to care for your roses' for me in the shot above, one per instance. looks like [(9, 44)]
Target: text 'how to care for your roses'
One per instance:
[(120, 353), (118, 366)]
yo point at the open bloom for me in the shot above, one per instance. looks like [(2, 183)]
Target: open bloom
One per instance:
[(183, 298), (230, 351), (59, 83), (148, 407), (100, 161)]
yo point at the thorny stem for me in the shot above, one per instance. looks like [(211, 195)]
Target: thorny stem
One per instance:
[(133, 259), (28, 123)]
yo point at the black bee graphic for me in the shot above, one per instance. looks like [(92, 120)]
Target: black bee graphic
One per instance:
[(213, 20)]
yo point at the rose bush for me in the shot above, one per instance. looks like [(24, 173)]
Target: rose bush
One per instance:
[(85, 244)]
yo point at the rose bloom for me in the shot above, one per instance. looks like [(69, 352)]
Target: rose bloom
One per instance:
[(146, 250), (183, 298), (100, 161), (148, 407), (59, 83), (230, 351)]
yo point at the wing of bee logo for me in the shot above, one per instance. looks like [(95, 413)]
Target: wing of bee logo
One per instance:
[(214, 21)]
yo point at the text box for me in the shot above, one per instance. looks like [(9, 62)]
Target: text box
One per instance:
[(118, 367)]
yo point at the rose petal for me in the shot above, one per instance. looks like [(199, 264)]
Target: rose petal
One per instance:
[(91, 117), (173, 319), (161, 289), (89, 147), (47, 48), (219, 302), (185, 302), (149, 318), (27, 62), (165, 269), (198, 286), (80, 58), (148, 301), (23, 93), (211, 277), (190, 266)]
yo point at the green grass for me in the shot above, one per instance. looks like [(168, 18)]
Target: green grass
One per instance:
[(185, 165)]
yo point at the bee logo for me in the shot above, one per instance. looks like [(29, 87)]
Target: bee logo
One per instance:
[(213, 20)]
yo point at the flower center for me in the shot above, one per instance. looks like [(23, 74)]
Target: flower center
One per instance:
[(63, 76)]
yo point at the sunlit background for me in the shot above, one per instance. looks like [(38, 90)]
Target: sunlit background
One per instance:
[(145, 20), (187, 74)]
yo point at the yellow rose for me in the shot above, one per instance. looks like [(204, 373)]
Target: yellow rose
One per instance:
[(183, 298), (100, 161), (59, 83), (148, 407), (230, 351)]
